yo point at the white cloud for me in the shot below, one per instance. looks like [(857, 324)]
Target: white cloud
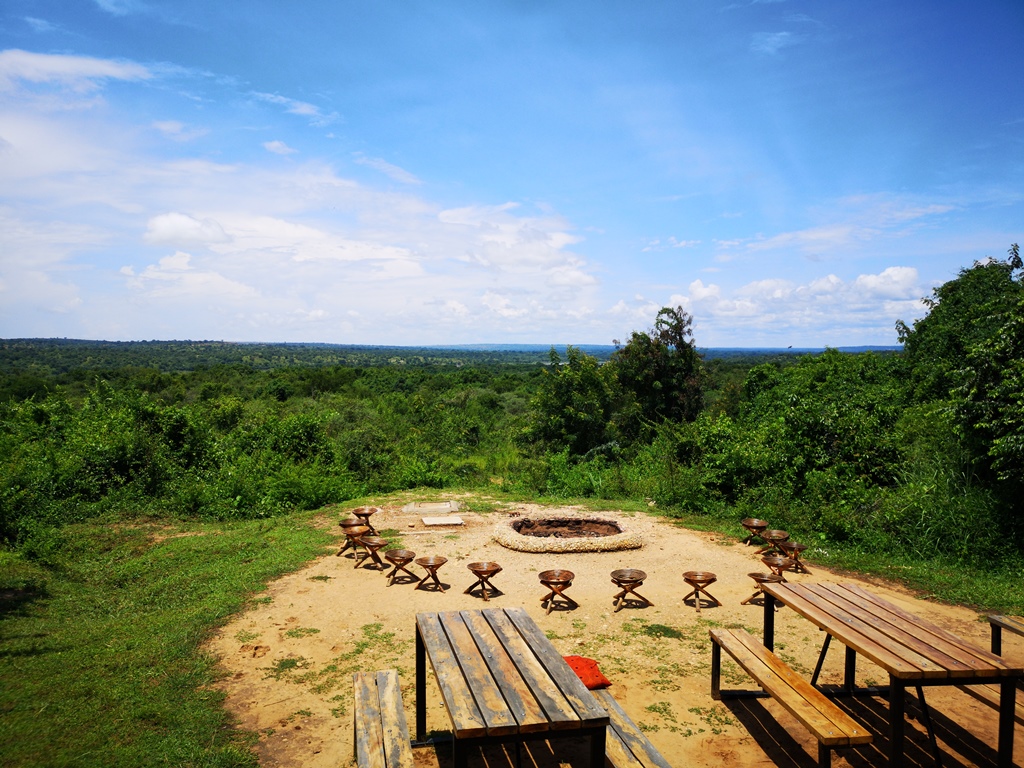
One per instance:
[(178, 131), (279, 148), (180, 228), (300, 108), (392, 171), (78, 73), (772, 42)]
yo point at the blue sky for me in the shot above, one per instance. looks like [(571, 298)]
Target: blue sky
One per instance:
[(792, 173)]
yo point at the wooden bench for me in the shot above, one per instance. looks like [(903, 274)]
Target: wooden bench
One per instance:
[(989, 694), (827, 723), (625, 744), (381, 734)]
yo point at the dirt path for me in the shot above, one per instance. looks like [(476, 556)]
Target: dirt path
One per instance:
[(288, 661)]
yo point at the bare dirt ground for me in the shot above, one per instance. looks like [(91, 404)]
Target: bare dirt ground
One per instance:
[(288, 661)]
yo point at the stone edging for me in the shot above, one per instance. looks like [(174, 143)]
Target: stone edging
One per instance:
[(510, 538)]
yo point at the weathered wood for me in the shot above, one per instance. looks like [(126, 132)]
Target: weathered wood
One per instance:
[(568, 682), (467, 722), (933, 646), (486, 694), (1011, 623), (829, 724), (524, 707), (626, 746), (559, 711), (381, 732), (854, 634)]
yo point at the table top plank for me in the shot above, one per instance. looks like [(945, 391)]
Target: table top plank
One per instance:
[(853, 633), (985, 657), (587, 707), (916, 636), (488, 696), (556, 706), (467, 722), (524, 706)]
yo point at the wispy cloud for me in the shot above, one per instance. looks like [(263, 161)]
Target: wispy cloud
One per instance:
[(79, 73), (279, 148), (296, 107), (392, 171), (771, 43)]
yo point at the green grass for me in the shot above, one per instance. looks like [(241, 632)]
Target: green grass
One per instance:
[(100, 647)]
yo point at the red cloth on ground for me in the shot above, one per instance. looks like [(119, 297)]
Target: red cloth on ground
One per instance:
[(587, 671)]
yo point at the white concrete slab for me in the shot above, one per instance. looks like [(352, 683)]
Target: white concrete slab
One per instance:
[(431, 507), (450, 520)]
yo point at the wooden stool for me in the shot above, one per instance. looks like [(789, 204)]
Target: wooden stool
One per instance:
[(372, 544), (484, 572), (759, 579), (349, 522), (755, 528), (557, 580), (700, 580), (628, 579), (792, 550), (400, 558), (773, 538), (778, 565), (363, 513), (431, 564), (353, 533)]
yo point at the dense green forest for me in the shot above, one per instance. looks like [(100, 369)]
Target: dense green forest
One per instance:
[(907, 454)]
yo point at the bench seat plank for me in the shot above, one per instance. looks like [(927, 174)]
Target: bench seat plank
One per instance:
[(829, 724), (1010, 623), (369, 734), (989, 695), (397, 746), (381, 731), (626, 745)]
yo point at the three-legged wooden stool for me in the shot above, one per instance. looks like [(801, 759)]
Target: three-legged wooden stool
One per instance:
[(778, 565), (628, 579), (483, 572), (431, 564), (557, 580), (400, 558), (354, 532), (759, 579), (363, 513), (346, 524), (371, 545), (700, 581), (755, 527), (792, 550), (773, 537)]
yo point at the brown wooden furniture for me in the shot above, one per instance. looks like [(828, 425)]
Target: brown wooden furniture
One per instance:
[(371, 544), (353, 534), (557, 581), (827, 723), (755, 527), (628, 580), (381, 732), (364, 513), (773, 537), (501, 680), (793, 550), (626, 745), (759, 579), (346, 524), (911, 650), (989, 694), (431, 564), (400, 558), (700, 581), (778, 564), (484, 572)]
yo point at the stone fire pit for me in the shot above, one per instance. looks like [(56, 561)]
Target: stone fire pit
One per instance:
[(565, 532)]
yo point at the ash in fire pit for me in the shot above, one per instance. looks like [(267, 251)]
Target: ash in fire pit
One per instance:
[(566, 528), (565, 533)]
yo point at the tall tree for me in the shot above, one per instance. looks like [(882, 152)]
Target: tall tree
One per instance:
[(574, 405)]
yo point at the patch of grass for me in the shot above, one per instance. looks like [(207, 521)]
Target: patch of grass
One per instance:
[(716, 717), (321, 577), (301, 632), (104, 665), (245, 636)]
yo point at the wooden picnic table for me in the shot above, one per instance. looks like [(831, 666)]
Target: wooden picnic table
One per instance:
[(502, 680), (913, 651)]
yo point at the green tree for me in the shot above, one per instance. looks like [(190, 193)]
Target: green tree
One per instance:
[(661, 373), (573, 406)]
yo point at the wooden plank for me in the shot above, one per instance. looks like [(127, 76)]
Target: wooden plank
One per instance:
[(829, 724), (617, 753), (582, 700), (397, 746), (989, 695), (871, 644), (467, 722), (521, 702), (976, 651), (629, 734), (369, 735), (560, 713), (486, 693), (909, 634), (1010, 623)]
